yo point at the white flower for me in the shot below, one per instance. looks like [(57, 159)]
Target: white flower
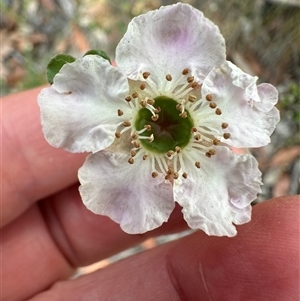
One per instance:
[(160, 125)]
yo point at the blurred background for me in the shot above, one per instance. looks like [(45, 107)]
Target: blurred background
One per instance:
[(262, 37)]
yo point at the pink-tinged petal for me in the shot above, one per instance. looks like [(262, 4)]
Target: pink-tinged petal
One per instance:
[(219, 193), (79, 111), (169, 40), (125, 192), (248, 109)]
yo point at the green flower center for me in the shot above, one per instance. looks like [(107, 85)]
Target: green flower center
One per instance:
[(170, 130)]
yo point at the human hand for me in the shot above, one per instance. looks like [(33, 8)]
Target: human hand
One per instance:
[(48, 233)]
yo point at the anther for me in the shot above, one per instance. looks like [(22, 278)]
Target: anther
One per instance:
[(136, 144), (179, 107), (175, 175), (150, 101), (128, 98), (120, 112), (157, 110), (197, 164), (224, 125), (195, 85), (184, 175), (145, 157), (151, 138), (132, 153), (134, 135), (197, 137), (192, 98), (135, 94), (155, 117), (209, 97), (185, 71), (218, 111), (130, 160), (194, 130), (226, 135), (212, 152), (178, 149), (170, 153), (142, 86), (216, 141), (154, 174), (146, 75), (117, 134), (127, 123), (190, 79), (213, 105), (143, 103), (147, 127), (168, 77), (183, 114)]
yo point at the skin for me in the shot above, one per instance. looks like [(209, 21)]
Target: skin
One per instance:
[(47, 233)]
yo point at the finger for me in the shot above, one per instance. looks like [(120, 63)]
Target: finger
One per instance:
[(43, 246), (260, 263), (31, 168)]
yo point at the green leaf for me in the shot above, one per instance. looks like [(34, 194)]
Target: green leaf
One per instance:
[(56, 64), (100, 53)]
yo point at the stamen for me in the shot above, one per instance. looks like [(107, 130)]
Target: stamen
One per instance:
[(135, 94), (216, 141), (178, 149), (213, 105), (151, 138), (197, 164), (154, 174), (133, 153), (143, 103), (209, 97), (155, 117), (218, 111), (134, 135), (195, 85), (192, 98), (130, 160), (145, 157), (224, 125), (226, 135), (128, 98), (120, 112), (136, 144), (147, 127), (183, 114), (146, 75), (190, 79), (117, 134), (151, 101), (197, 137), (179, 107), (185, 71), (143, 86), (168, 77), (170, 153), (184, 175), (127, 123)]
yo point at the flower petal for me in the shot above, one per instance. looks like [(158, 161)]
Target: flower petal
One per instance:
[(219, 193), (247, 108), (79, 111), (169, 40), (125, 192)]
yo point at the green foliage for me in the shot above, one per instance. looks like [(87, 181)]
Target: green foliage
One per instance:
[(291, 102), (56, 63), (98, 52)]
